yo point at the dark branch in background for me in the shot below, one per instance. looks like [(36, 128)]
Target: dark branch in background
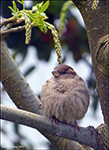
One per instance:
[(86, 136)]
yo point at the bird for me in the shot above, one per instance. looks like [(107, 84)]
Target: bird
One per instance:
[(65, 96)]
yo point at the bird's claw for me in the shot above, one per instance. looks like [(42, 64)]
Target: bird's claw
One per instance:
[(76, 127), (54, 120)]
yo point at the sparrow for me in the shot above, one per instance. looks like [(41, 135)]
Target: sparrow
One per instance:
[(64, 96)]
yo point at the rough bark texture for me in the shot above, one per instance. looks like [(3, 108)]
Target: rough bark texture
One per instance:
[(15, 83), (97, 23), (103, 131), (86, 136)]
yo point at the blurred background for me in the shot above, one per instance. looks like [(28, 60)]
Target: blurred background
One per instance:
[(38, 59)]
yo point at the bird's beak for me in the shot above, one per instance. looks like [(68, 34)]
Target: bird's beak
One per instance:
[(55, 73)]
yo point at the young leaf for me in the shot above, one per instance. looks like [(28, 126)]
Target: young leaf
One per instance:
[(11, 8), (14, 6), (39, 6), (44, 6), (21, 2)]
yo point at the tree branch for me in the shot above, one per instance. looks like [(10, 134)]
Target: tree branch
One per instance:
[(86, 136), (15, 83), (16, 29), (10, 23), (6, 21)]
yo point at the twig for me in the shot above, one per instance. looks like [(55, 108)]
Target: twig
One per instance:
[(18, 21), (6, 21), (16, 29)]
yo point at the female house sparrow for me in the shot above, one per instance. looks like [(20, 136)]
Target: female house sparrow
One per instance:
[(65, 96)]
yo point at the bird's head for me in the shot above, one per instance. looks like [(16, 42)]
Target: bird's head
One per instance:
[(64, 71)]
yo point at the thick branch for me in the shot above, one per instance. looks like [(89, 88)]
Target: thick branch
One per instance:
[(15, 83), (86, 136)]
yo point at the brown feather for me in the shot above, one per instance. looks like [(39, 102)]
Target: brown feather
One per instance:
[(66, 96)]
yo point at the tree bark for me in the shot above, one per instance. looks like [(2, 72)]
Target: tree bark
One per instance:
[(16, 85), (96, 22), (86, 136)]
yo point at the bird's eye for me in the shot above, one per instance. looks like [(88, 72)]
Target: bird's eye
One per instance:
[(61, 72), (64, 72)]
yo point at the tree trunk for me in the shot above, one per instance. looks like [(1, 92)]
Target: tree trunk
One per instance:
[(96, 22)]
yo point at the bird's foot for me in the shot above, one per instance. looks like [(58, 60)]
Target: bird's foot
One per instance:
[(76, 127), (54, 120)]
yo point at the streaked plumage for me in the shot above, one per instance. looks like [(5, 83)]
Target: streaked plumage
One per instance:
[(65, 95)]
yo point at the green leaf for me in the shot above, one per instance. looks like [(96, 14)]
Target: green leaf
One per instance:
[(14, 10), (29, 70), (10, 8), (39, 6), (44, 6), (14, 6), (43, 28), (34, 8), (17, 9), (43, 15), (14, 13), (21, 2)]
